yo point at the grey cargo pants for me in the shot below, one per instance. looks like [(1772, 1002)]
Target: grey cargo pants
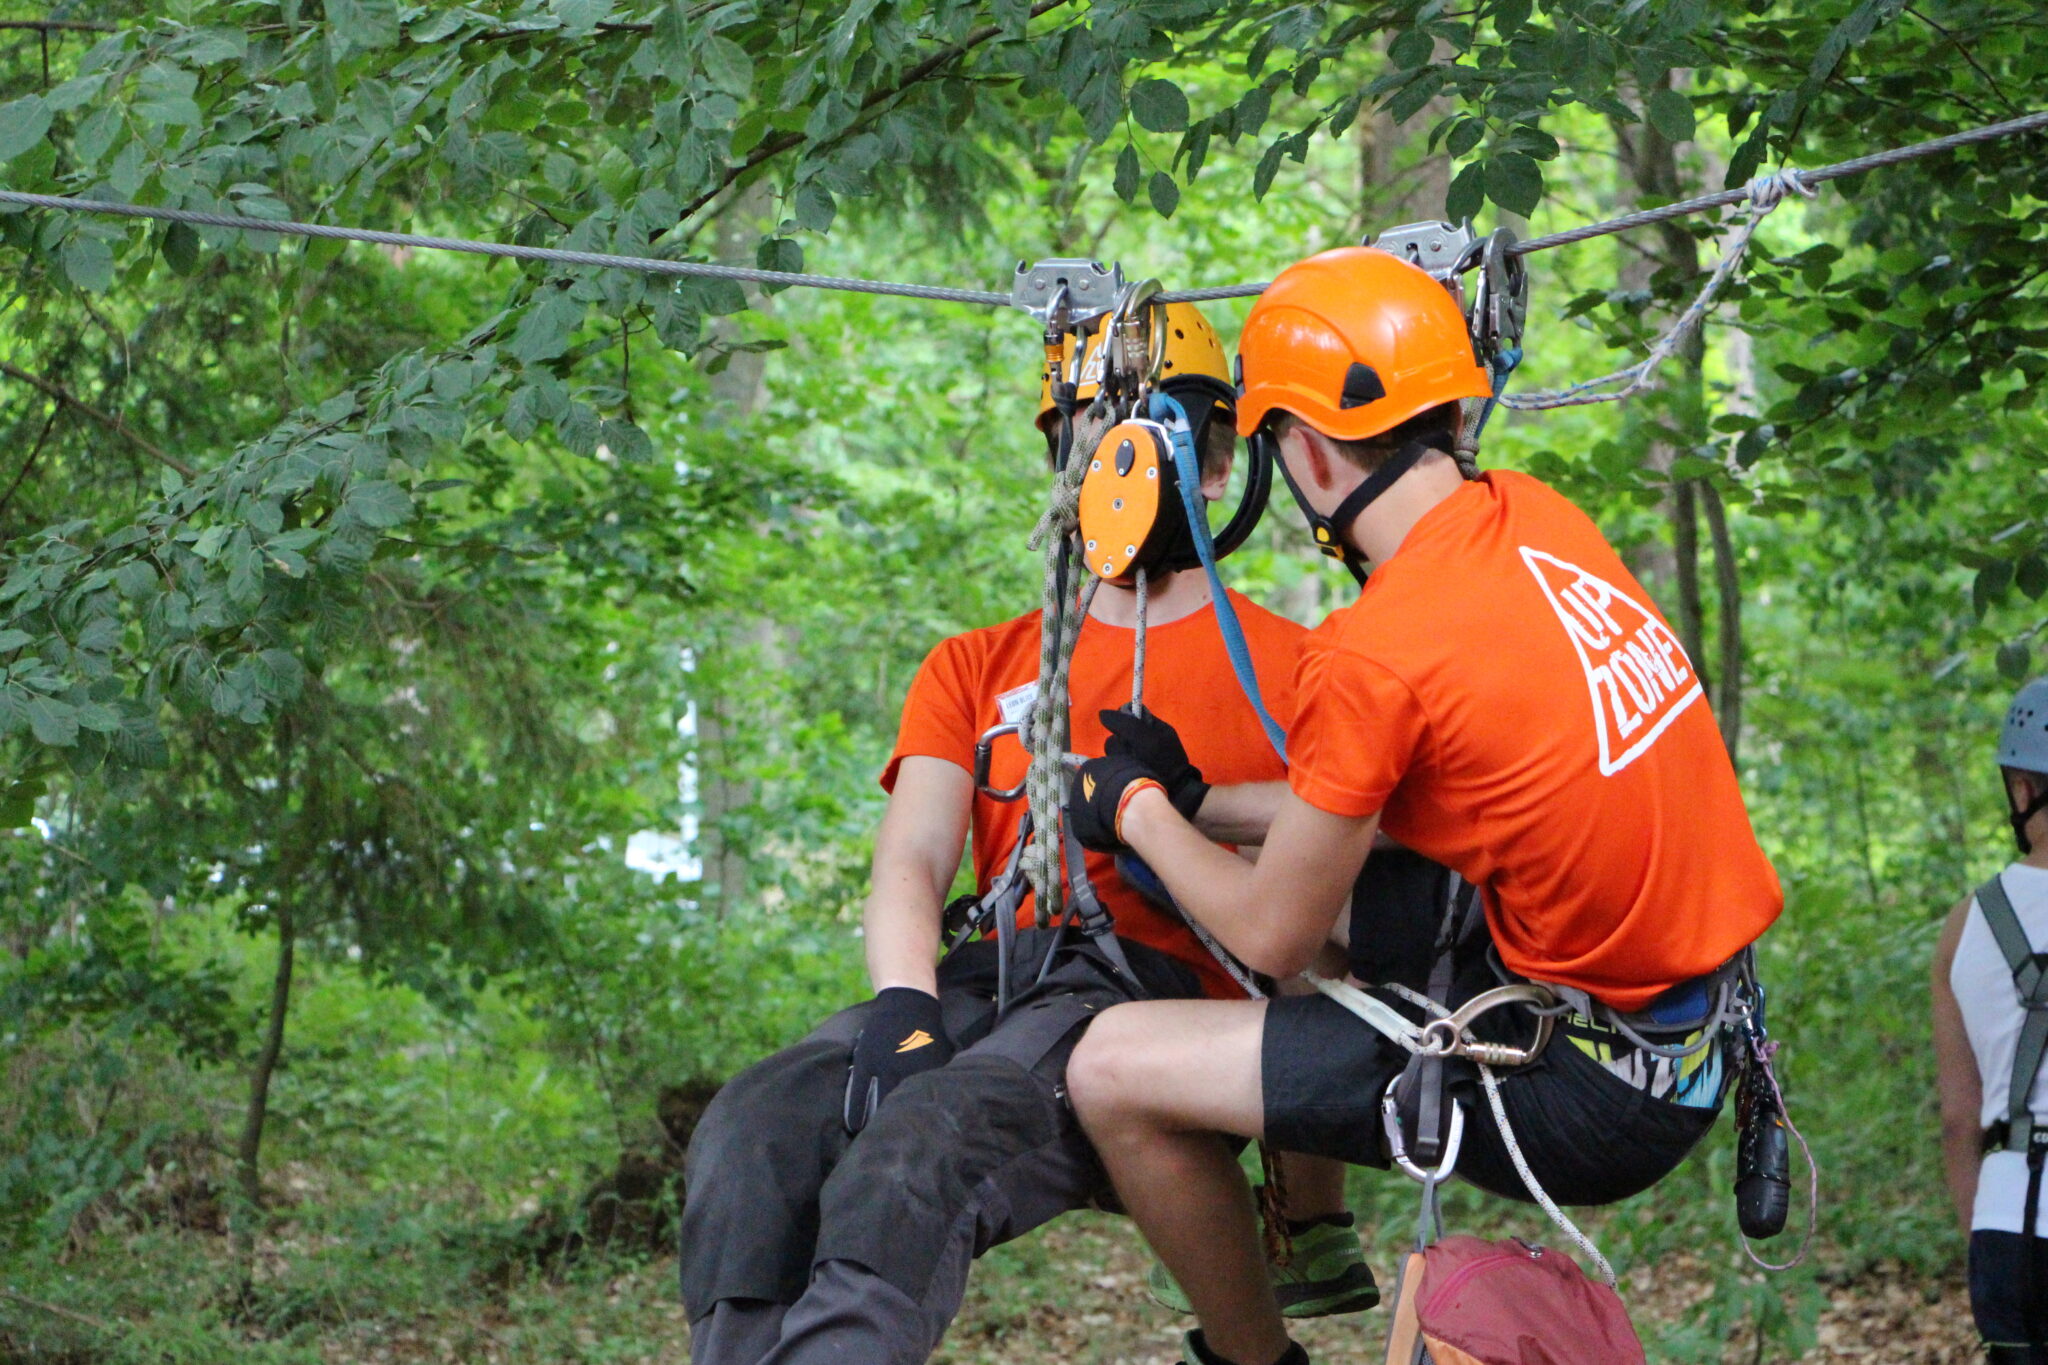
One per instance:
[(801, 1244)]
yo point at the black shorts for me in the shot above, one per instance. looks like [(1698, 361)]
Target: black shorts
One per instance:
[(1999, 1288), (1590, 1137)]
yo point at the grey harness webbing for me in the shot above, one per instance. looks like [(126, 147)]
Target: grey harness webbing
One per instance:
[(2031, 981)]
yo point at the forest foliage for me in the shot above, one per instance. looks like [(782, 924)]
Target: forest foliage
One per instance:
[(358, 605)]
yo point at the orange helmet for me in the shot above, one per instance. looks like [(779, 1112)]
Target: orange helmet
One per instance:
[(1354, 342), (1192, 351)]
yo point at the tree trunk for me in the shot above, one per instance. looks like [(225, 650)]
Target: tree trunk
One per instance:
[(1683, 509), (736, 391), (1650, 164), (1727, 696), (249, 1157)]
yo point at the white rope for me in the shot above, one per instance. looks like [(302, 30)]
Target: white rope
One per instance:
[(1765, 193), (1529, 1181)]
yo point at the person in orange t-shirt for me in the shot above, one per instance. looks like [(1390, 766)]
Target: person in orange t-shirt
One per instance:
[(837, 1192), (1502, 698)]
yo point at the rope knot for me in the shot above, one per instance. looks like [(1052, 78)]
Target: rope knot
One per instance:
[(1767, 191)]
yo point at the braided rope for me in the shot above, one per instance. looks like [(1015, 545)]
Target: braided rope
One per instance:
[(1045, 735), (1138, 646), (1764, 193)]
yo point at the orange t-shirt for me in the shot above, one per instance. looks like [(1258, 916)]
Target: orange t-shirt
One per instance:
[(984, 677), (1504, 693)]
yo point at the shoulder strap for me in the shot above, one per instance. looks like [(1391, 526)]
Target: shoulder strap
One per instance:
[(2031, 982)]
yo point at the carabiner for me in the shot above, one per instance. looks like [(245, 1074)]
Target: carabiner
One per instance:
[(1397, 1143), (1137, 342), (1445, 1037), (984, 761)]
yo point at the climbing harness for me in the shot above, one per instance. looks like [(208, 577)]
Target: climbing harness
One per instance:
[(1724, 1007)]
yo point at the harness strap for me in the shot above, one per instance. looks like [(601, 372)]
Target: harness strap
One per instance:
[(2031, 982), (1092, 916)]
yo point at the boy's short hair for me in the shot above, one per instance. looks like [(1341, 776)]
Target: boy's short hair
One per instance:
[(1438, 425), (1215, 447)]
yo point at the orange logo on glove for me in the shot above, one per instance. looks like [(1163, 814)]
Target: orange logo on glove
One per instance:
[(915, 1041)]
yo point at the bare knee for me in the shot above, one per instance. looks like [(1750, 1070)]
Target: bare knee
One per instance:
[(1101, 1072)]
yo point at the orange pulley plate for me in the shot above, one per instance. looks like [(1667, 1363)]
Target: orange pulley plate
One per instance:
[(1123, 495)]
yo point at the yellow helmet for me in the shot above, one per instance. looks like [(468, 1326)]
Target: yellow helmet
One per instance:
[(1192, 352)]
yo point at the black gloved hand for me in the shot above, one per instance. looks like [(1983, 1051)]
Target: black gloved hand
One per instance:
[(903, 1034), (1093, 795), (1156, 744)]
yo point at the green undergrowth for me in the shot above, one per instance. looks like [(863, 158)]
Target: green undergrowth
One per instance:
[(414, 1152)]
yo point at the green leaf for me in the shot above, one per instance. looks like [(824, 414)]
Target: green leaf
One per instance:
[(726, 65), (780, 253), (2031, 574), (1467, 135), (380, 503), (133, 579), (1509, 16), (88, 262), (22, 125), (546, 326), (2014, 659), (1989, 585), (18, 802), (1412, 49), (627, 441), (181, 248), (1269, 166), (210, 540), (54, 722), (1126, 182), (99, 635), (814, 207), (1165, 194), (11, 640), (1515, 182), (99, 717), (1671, 114), (1159, 106), (1467, 193)]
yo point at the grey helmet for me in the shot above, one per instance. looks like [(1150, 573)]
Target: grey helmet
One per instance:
[(2023, 744)]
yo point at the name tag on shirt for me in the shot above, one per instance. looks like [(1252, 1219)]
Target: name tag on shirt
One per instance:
[(1016, 703)]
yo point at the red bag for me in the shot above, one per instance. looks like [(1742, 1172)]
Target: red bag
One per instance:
[(1468, 1301)]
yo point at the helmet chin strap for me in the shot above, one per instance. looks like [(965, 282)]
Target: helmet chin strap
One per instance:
[(2019, 820), (1333, 533)]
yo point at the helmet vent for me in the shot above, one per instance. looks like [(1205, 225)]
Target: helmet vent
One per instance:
[(1361, 386)]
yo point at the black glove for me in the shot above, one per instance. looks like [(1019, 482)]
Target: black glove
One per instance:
[(1093, 795), (903, 1034), (1156, 744)]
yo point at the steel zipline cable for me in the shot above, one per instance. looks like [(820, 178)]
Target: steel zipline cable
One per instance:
[(654, 265)]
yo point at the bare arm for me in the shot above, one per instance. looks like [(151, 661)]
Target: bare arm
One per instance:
[(917, 851), (1956, 1078), (1276, 913), (1240, 814)]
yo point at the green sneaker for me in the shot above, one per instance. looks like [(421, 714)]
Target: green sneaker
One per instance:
[(1326, 1276)]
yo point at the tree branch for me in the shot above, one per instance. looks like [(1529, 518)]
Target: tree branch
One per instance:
[(776, 146), (51, 389), (82, 1319), (55, 26), (30, 463)]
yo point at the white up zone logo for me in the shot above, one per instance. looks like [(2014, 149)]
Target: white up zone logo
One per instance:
[(1636, 670)]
